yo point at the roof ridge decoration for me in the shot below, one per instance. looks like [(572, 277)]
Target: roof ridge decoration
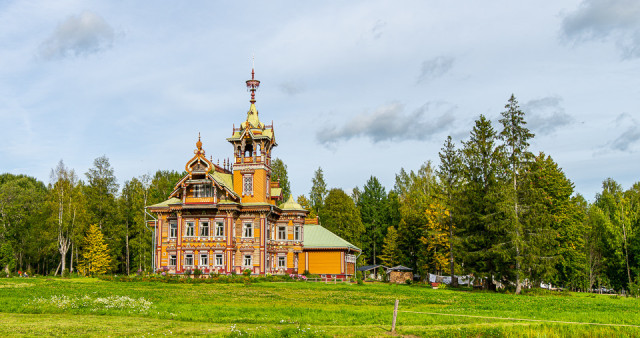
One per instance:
[(199, 162)]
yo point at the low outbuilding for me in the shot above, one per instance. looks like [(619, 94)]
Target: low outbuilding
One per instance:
[(400, 274)]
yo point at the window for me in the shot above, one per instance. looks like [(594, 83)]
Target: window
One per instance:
[(204, 259), (204, 229), (248, 261), (268, 231), (296, 233), (190, 229), (172, 260), (219, 261), (282, 232), (219, 228), (173, 229), (282, 261), (247, 185), (202, 190), (188, 259), (248, 230)]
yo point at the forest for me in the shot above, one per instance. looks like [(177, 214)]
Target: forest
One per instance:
[(490, 208)]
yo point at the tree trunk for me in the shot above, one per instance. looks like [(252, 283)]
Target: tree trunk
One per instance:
[(454, 279), (626, 251), (71, 265), (127, 245), (515, 209), (57, 269)]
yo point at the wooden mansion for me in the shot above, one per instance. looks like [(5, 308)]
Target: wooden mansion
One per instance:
[(230, 218)]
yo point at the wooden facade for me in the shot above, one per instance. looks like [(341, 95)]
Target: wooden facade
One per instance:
[(226, 219)]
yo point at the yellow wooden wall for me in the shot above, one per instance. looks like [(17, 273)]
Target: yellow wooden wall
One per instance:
[(324, 262), (259, 186)]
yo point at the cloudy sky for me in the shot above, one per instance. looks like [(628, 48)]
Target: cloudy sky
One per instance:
[(359, 88)]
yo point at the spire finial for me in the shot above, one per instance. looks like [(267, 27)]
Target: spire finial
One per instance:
[(199, 143), (253, 84)]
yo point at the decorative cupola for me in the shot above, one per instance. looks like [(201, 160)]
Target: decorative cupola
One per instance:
[(252, 144)]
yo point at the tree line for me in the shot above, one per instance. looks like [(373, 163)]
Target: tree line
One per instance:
[(490, 208), (493, 209), (47, 229)]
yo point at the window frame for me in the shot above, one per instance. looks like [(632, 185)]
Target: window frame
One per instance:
[(221, 257), (282, 262), (173, 259), (189, 225), (247, 184), (207, 227), (244, 261), (205, 258), (173, 229), (297, 234), (187, 257), (282, 232), (219, 226), (247, 228)]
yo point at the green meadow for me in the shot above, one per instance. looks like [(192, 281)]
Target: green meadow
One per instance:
[(88, 306)]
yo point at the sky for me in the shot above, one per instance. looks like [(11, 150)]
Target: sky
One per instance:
[(358, 88)]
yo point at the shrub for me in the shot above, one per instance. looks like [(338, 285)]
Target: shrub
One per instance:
[(359, 275), (246, 272), (187, 272), (197, 273)]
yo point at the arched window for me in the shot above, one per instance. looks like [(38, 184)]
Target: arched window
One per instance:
[(248, 150)]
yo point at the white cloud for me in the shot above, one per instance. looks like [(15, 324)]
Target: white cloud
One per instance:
[(389, 122), (84, 34), (629, 137), (617, 20), (435, 68), (545, 115)]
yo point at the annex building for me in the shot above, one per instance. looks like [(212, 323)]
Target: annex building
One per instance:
[(230, 218)]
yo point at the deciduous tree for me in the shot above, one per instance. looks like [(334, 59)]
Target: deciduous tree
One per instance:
[(279, 173), (318, 191), (341, 216), (95, 253)]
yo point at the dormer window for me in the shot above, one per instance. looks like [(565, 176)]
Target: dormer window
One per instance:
[(202, 190)]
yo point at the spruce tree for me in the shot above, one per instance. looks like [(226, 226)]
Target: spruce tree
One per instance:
[(372, 205), (449, 176), (390, 252), (482, 232), (516, 138)]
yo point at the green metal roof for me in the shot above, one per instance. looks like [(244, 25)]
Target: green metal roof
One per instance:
[(166, 203), (225, 180), (276, 191), (291, 204), (317, 237)]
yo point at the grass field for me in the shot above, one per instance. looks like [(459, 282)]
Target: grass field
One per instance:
[(86, 306)]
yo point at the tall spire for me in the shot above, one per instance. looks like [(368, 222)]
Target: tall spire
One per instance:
[(253, 84)]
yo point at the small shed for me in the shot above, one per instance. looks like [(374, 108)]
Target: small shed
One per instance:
[(371, 271), (400, 274)]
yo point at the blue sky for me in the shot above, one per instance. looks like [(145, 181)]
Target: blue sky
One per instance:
[(359, 88)]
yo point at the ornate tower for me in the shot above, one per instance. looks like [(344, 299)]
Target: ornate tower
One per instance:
[(252, 145)]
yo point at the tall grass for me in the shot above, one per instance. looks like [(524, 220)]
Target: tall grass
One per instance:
[(309, 309)]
